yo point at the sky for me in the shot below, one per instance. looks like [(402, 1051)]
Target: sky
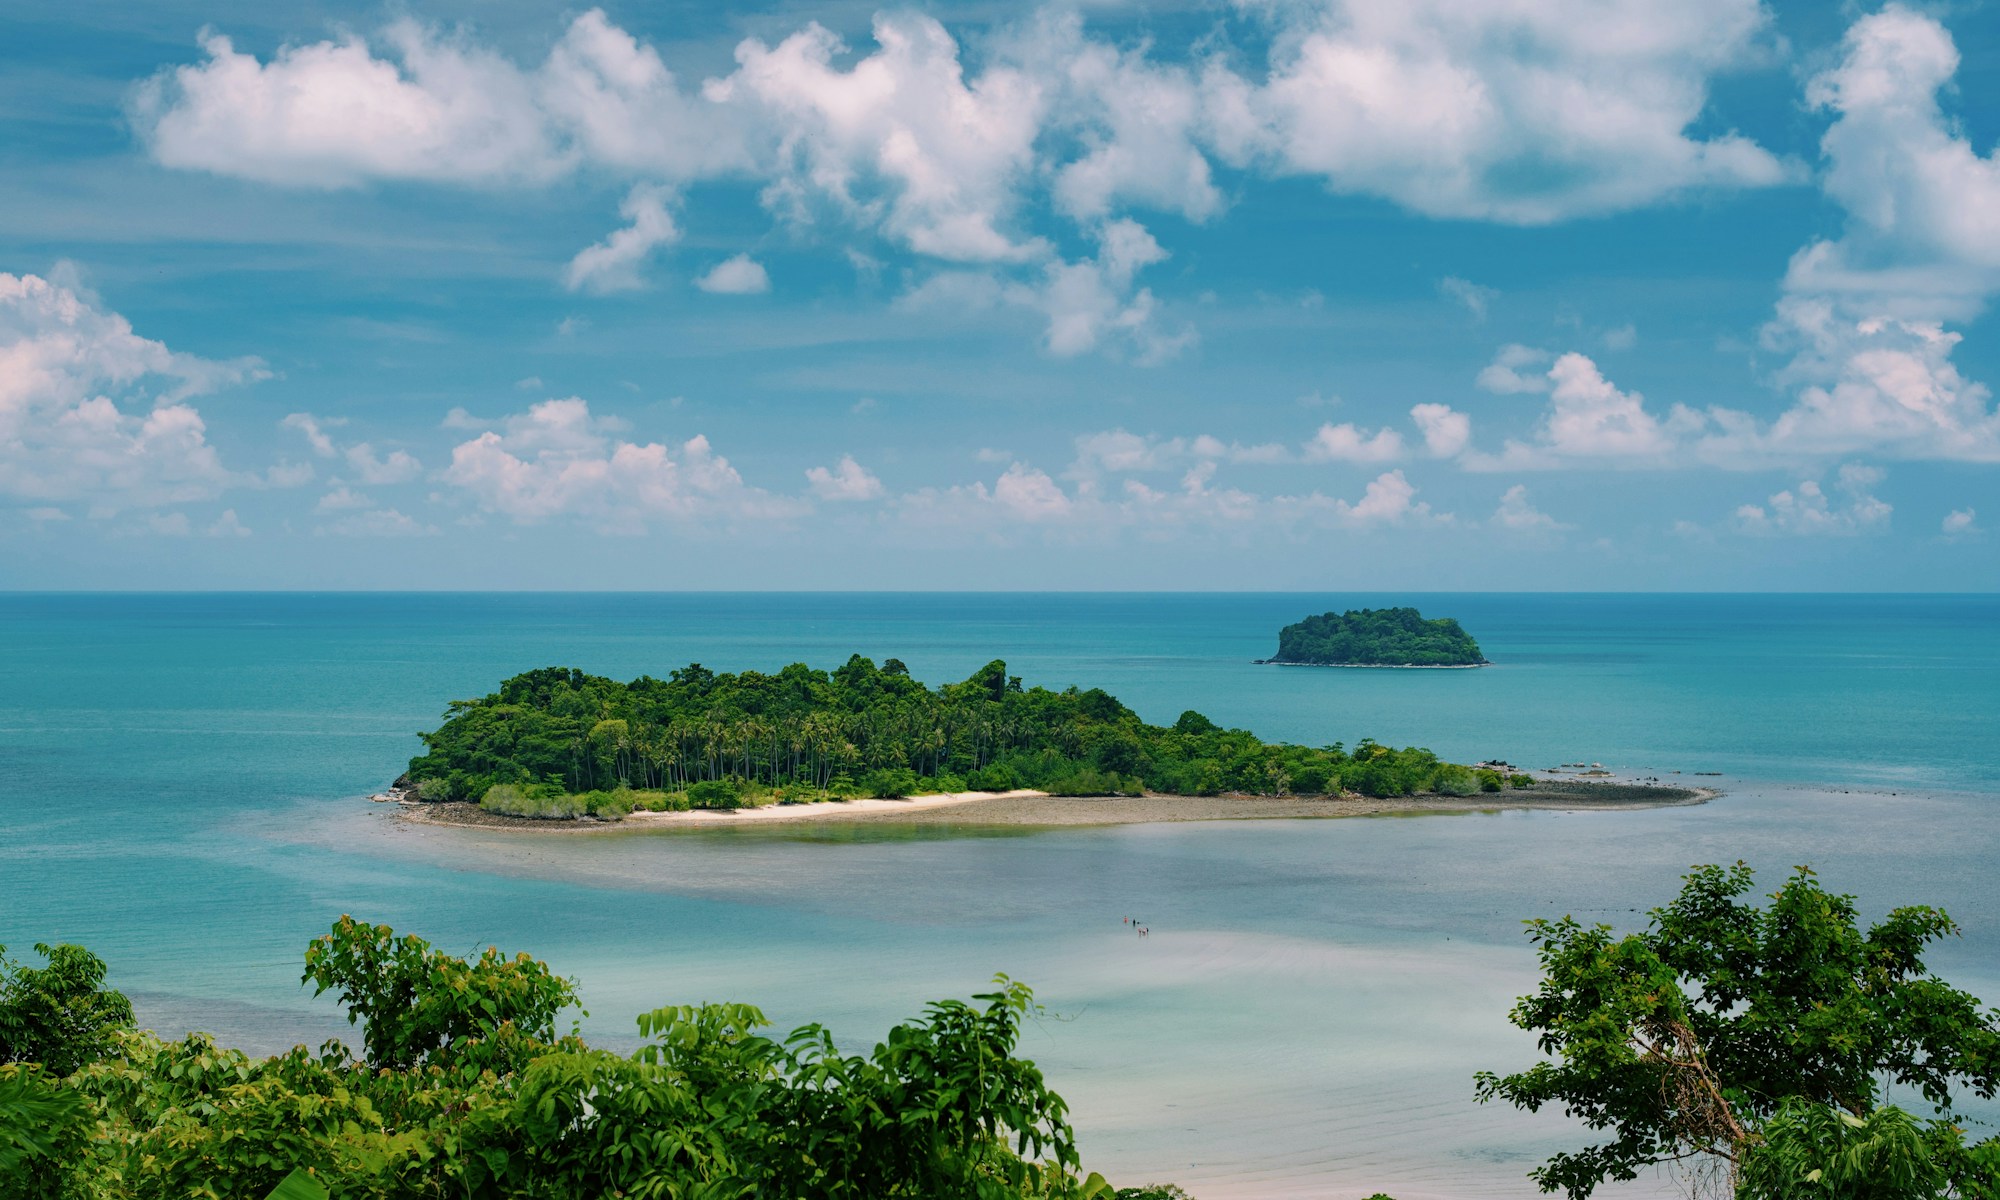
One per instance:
[(1327, 295)]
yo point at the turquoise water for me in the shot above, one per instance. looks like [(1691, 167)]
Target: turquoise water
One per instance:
[(179, 779)]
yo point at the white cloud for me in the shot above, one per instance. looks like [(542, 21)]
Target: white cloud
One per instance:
[(1959, 522), (1389, 499), (1518, 513), (1588, 416), (902, 138), (368, 466), (1089, 304), (1347, 443), (342, 499), (612, 265), (737, 276), (287, 474), (557, 461), (227, 526), (1515, 370), (314, 429), (1808, 511), (434, 107), (1524, 113), (1864, 315), (166, 524), (379, 522), (398, 466), (1471, 295), (1092, 299), (1118, 450), (1135, 123), (1589, 421), (331, 114), (1446, 431), (846, 480), (67, 369)]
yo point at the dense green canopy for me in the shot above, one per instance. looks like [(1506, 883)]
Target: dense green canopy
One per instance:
[(864, 729), (1378, 637), (466, 1087)]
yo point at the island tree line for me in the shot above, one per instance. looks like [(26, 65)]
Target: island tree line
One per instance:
[(560, 739)]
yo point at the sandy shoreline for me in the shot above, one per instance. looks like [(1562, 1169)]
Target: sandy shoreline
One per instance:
[(1028, 808)]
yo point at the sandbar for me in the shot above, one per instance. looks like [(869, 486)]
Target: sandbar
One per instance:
[(1031, 808)]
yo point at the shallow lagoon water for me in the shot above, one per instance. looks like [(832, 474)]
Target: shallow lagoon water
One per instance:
[(178, 783)]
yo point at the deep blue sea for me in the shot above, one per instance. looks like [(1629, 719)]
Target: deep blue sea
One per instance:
[(181, 780)]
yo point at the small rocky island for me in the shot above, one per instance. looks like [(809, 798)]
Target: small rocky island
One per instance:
[(1376, 637)]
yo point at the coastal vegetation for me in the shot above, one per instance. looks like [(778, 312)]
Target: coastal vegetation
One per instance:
[(1377, 637), (1749, 1045), (1753, 1045), (558, 743), (465, 1086)]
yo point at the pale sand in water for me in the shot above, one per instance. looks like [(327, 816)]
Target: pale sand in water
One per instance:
[(1040, 808)]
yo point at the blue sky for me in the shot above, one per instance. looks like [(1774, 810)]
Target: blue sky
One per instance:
[(1319, 295)]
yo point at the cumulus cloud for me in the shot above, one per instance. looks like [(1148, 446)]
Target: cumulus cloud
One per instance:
[(1446, 431), (1347, 443), (342, 499), (226, 526), (1518, 513), (1515, 113), (1088, 304), (557, 461), (1960, 522), (397, 466), (737, 276), (362, 459), (1524, 113), (902, 136), (1389, 499), (1515, 370), (845, 480), (1134, 124), (314, 430), (90, 411), (435, 107), (1807, 510), (612, 265), (1091, 300), (1864, 316), (1590, 421)]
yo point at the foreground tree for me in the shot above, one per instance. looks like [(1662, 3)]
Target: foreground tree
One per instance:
[(1726, 1032), (466, 1089)]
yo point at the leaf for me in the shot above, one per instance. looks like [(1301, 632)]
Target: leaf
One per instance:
[(297, 1186)]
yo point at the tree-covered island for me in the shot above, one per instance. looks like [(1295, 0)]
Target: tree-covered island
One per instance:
[(1376, 637), (556, 742)]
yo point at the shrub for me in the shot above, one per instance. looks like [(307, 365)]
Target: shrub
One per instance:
[(435, 790), (888, 783), (1455, 781), (998, 777), (647, 801), (508, 800), (715, 793), (1521, 781), (59, 1016), (1489, 781)]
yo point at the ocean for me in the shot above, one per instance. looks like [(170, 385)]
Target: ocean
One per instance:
[(181, 783)]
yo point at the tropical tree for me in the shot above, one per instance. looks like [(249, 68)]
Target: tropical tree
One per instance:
[(1725, 1028)]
